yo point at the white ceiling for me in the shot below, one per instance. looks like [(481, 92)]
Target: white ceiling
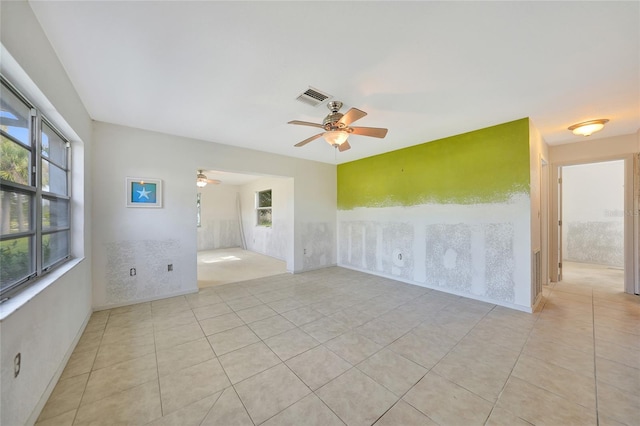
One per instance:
[(229, 72)]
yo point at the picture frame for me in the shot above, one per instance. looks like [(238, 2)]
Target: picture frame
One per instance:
[(144, 192)]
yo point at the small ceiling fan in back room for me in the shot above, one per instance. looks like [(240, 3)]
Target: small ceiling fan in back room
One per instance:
[(336, 127), (202, 180)]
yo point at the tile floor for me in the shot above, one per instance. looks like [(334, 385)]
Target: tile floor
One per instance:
[(229, 265), (335, 346)]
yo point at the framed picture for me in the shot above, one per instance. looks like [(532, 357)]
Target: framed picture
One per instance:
[(143, 192)]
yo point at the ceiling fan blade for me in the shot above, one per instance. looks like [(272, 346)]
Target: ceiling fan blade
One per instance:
[(213, 181), (376, 132), (344, 146), (306, 141), (352, 115), (305, 123)]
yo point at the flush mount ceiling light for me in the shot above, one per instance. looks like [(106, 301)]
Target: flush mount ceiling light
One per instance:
[(586, 128)]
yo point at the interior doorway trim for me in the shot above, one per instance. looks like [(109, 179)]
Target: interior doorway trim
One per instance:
[(631, 251)]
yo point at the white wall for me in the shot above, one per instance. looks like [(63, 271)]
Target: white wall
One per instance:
[(276, 240), (219, 224), (147, 239), (593, 213), (46, 327)]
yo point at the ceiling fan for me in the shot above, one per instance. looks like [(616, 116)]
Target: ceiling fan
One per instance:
[(202, 180), (336, 127)]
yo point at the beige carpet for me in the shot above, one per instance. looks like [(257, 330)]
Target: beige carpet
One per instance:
[(223, 266)]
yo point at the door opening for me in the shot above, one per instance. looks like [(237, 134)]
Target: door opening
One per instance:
[(591, 226)]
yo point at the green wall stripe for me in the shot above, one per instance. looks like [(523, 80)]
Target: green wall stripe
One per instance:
[(483, 166)]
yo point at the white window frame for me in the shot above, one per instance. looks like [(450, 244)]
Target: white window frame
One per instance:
[(37, 233), (261, 209)]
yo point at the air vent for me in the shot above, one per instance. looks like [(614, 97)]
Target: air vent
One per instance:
[(313, 97)]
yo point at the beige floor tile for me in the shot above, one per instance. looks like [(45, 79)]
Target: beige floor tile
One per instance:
[(271, 326), (500, 335), (89, 341), (230, 292), (129, 318), (356, 398), (309, 411), (576, 340), (502, 417), (65, 419), (248, 361), (447, 403), (380, 332), (79, 363), (285, 305), (141, 333), (608, 421), (132, 309), (191, 384), (619, 375), (421, 350), (200, 299), (620, 338), (118, 409), (474, 349), (619, 405), (291, 343), (119, 377), (169, 309), (65, 397), (302, 316), (318, 366), (190, 415), (270, 392), (228, 411), (256, 313), (230, 340), (220, 323), (177, 335), (573, 386), (244, 303), (116, 353), (392, 371), (352, 318), (621, 354), (324, 329), (353, 347), (162, 322), (484, 380), (560, 355), (539, 406), (210, 311), (176, 358), (402, 414)]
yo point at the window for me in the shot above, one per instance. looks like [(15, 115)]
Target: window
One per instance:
[(35, 206), (263, 206)]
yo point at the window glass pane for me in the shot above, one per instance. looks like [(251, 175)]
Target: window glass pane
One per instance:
[(54, 179), (264, 217), (15, 162), (14, 116), (15, 212), (55, 247), (55, 213), (264, 198), (53, 147), (16, 260)]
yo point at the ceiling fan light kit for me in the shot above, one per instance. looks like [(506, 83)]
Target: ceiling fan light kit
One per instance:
[(586, 128), (336, 127), (202, 180)]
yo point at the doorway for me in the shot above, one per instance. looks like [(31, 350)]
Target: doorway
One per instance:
[(231, 245), (592, 226)]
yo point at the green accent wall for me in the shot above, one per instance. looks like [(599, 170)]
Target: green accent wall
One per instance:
[(483, 166)]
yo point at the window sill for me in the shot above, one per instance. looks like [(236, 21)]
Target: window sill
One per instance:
[(22, 298)]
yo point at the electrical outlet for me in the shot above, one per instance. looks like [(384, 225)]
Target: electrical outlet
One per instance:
[(170, 267), (132, 272), (16, 364)]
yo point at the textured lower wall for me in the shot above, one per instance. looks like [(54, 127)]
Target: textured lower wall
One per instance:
[(215, 234), (318, 245), (150, 259), (477, 250), (595, 242)]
